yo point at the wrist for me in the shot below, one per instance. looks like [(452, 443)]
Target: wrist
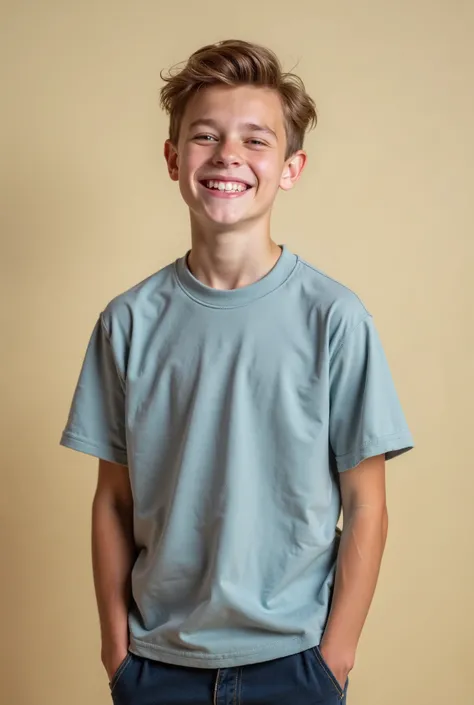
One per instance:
[(338, 652)]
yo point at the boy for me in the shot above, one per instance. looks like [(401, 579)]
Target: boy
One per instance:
[(235, 398)]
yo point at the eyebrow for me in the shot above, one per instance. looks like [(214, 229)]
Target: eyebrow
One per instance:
[(252, 126)]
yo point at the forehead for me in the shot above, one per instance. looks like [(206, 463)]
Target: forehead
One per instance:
[(230, 105)]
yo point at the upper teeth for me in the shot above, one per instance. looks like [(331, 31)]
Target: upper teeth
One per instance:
[(226, 185)]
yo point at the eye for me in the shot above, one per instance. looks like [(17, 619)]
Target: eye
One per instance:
[(205, 138), (257, 142)]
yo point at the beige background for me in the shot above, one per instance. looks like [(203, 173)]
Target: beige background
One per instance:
[(385, 206)]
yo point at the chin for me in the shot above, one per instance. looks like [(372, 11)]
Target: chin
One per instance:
[(222, 218)]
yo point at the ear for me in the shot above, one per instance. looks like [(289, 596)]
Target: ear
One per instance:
[(171, 156), (292, 170)]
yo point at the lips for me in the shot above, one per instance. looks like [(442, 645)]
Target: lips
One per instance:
[(225, 179)]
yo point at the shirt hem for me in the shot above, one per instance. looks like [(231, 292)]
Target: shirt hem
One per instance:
[(276, 650)]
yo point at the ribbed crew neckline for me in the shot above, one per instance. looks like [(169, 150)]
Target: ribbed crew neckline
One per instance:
[(228, 298)]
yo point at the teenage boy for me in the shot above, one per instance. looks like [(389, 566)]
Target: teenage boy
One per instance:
[(236, 398)]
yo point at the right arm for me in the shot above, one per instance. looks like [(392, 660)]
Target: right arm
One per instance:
[(113, 556)]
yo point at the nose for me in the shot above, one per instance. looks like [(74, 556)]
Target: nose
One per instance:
[(226, 154)]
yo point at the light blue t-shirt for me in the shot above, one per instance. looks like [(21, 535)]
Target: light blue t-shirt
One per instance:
[(235, 411)]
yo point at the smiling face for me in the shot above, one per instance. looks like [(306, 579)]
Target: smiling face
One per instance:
[(230, 157)]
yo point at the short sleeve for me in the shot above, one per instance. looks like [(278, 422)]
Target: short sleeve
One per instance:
[(96, 420), (366, 418)]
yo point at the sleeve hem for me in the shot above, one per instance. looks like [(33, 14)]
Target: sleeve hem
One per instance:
[(97, 449), (392, 446)]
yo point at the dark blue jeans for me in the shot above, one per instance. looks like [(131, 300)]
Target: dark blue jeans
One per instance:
[(300, 679)]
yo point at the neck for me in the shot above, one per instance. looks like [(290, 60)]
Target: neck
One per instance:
[(231, 259)]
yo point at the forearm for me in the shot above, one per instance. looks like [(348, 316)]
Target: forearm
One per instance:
[(360, 554), (113, 555)]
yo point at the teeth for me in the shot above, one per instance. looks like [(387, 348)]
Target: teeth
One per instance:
[(226, 186)]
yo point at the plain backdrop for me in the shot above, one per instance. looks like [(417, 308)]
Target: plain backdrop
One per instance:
[(385, 206)]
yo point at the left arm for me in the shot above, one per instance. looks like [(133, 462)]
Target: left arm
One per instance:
[(360, 554)]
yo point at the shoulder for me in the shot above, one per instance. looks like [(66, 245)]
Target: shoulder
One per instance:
[(340, 307), (146, 296), (331, 292)]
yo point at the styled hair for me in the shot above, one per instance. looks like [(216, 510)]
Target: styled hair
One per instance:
[(234, 62)]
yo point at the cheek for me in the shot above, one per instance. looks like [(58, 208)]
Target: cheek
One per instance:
[(193, 157), (186, 168), (268, 170)]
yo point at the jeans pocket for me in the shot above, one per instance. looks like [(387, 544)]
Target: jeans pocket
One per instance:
[(120, 670), (341, 691)]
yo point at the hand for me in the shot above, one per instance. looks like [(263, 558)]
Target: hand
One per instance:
[(336, 665), (111, 660)]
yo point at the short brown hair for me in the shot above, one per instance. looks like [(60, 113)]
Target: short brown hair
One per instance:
[(235, 62)]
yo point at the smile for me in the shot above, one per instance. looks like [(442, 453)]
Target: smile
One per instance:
[(225, 189)]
